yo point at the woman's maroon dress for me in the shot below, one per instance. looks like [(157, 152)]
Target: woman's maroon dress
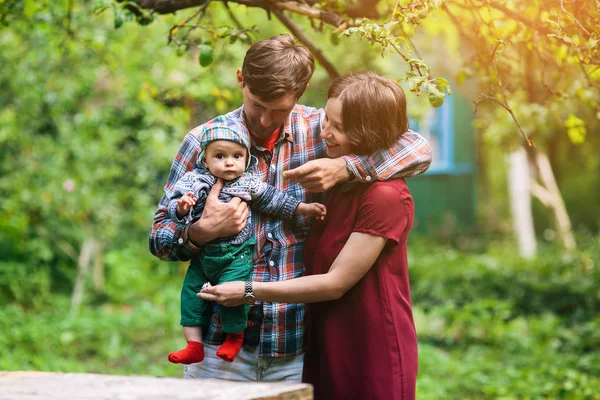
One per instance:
[(364, 345)]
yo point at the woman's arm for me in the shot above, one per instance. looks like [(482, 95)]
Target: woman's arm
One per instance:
[(356, 258)]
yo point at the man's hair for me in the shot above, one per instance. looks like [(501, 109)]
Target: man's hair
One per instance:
[(276, 66), (373, 110)]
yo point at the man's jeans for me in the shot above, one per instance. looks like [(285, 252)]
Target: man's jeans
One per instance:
[(247, 366)]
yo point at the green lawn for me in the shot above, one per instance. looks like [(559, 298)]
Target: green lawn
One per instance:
[(491, 326)]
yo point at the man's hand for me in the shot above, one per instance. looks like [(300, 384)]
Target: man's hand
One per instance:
[(219, 219), (229, 294), (320, 175)]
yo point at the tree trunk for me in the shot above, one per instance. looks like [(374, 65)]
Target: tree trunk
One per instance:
[(98, 269), (548, 193), (519, 179), (85, 256)]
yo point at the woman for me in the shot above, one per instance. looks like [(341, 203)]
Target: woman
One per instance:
[(360, 336)]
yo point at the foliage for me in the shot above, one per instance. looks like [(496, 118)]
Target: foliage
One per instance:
[(490, 325), (88, 129), (90, 118), (497, 45), (544, 91)]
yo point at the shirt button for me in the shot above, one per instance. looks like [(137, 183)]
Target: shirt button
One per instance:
[(180, 241), (368, 178), (271, 263), (273, 167), (269, 235)]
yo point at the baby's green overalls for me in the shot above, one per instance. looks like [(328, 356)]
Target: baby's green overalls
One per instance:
[(216, 263)]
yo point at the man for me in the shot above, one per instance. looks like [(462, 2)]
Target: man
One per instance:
[(285, 138)]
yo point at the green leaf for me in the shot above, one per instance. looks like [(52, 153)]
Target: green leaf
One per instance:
[(418, 63), (206, 55), (575, 129), (436, 97), (334, 38), (118, 20), (350, 31), (402, 40), (415, 82), (443, 85)]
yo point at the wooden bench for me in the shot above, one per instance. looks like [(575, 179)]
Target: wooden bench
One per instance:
[(74, 386)]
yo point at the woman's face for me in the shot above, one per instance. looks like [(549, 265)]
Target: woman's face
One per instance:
[(335, 138)]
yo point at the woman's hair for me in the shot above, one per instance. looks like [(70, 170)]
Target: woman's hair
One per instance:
[(373, 110), (276, 66)]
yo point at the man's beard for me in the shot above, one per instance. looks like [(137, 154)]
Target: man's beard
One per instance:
[(258, 130)]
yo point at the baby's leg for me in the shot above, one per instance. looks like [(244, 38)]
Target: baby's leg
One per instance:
[(193, 310), (194, 351), (235, 319), (231, 346)]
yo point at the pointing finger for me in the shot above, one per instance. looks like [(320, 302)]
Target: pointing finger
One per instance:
[(298, 173)]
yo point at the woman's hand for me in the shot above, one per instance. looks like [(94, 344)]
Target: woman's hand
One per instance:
[(229, 294)]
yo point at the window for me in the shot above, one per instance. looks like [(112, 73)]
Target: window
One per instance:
[(437, 126)]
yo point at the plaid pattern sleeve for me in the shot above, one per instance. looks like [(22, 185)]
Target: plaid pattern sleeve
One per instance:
[(410, 156), (168, 239), (278, 328)]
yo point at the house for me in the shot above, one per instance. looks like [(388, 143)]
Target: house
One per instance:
[(445, 195)]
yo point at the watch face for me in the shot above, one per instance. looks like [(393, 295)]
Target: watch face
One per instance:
[(249, 299)]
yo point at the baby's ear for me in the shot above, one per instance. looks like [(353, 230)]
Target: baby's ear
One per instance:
[(203, 161)]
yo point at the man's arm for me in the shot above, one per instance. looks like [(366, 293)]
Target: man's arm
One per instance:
[(172, 241), (169, 240), (410, 156)]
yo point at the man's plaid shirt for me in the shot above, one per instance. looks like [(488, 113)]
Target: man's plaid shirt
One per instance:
[(276, 327)]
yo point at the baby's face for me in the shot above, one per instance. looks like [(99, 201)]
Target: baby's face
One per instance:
[(225, 159)]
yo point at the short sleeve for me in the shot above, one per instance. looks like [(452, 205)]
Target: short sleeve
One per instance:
[(386, 210)]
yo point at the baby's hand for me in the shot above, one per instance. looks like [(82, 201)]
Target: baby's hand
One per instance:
[(184, 204), (312, 210)]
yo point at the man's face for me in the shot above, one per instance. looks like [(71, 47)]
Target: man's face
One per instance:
[(264, 117)]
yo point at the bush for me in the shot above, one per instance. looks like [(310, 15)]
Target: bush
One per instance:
[(492, 325)]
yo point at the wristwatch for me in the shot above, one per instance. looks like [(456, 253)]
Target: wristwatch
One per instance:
[(249, 297)]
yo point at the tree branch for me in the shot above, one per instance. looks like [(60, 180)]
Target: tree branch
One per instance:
[(171, 6), (538, 26), (540, 192), (315, 50), (328, 17), (519, 17), (232, 16), (505, 105), (562, 7), (167, 6)]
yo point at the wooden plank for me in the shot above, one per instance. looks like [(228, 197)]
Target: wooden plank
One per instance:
[(59, 386)]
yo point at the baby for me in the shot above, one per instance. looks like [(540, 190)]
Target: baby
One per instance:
[(226, 156)]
